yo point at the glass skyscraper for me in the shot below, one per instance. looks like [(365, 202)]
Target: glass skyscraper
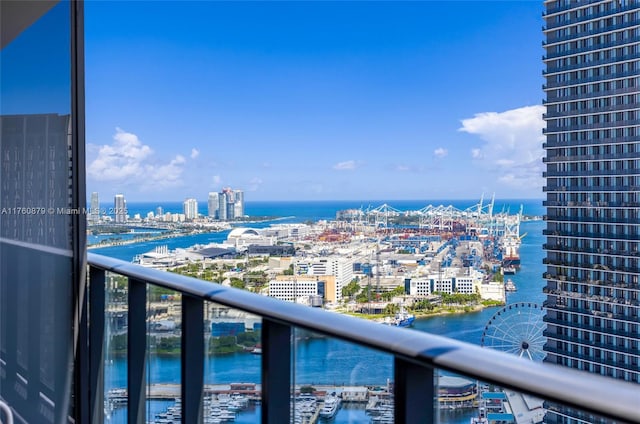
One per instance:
[(213, 205), (94, 213), (120, 209), (592, 186)]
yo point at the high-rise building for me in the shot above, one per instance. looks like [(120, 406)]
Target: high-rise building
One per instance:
[(593, 186), (120, 209), (222, 207), (230, 204), (238, 206), (213, 205), (190, 208), (94, 212)]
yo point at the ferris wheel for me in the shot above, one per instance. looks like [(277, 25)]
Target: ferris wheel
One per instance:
[(518, 329)]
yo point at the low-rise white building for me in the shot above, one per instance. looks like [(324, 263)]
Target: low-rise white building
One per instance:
[(242, 238), (493, 290), (293, 289), (288, 231), (355, 394), (338, 266), (448, 280)]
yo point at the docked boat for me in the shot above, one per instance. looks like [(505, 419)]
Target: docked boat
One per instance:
[(508, 270), (404, 319), (509, 286), (401, 319), (330, 406)]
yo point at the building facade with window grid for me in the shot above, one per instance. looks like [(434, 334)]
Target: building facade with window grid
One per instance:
[(592, 73)]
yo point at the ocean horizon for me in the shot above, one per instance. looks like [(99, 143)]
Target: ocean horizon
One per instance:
[(326, 209)]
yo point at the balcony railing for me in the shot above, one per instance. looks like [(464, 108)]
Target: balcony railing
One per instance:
[(587, 204), (589, 173), (575, 323), (552, 39), (588, 49), (605, 218), (577, 189), (605, 156), (552, 128), (555, 84), (584, 18), (586, 65), (589, 235), (588, 342), (579, 143), (416, 355), (590, 111)]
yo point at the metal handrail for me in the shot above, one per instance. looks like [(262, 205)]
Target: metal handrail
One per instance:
[(591, 393), (8, 413)]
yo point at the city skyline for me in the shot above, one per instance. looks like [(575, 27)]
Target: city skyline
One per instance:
[(326, 101)]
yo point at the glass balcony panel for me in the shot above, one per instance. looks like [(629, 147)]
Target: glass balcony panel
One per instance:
[(466, 400), (115, 348), (457, 398), (340, 381), (164, 331), (232, 365)]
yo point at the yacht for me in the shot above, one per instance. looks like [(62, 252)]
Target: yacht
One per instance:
[(330, 407)]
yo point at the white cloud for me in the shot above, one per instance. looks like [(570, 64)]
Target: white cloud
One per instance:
[(217, 179), (195, 153), (440, 152), (345, 166), (128, 161), (120, 160), (505, 162), (165, 175), (403, 168), (512, 144), (254, 184)]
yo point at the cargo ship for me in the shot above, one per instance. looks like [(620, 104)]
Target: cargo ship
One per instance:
[(511, 255)]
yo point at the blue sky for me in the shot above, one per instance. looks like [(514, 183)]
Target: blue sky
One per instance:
[(314, 100)]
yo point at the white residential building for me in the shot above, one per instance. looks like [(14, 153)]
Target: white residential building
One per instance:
[(94, 212), (190, 208)]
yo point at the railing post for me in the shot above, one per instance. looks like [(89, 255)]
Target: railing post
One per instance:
[(96, 344), (192, 359), (414, 393), (136, 351), (276, 372)]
